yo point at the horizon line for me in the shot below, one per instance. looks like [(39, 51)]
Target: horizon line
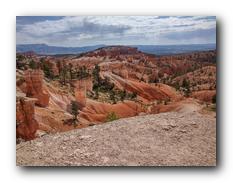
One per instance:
[(116, 44)]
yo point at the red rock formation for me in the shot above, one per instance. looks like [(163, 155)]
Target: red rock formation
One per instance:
[(58, 99), (34, 87), (205, 95), (80, 96), (26, 125), (144, 90), (53, 66), (130, 70), (80, 92), (86, 84), (97, 111)]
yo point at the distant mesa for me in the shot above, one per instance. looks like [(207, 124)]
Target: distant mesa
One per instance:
[(43, 49)]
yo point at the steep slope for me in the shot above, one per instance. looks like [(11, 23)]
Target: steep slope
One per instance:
[(200, 79), (96, 112), (147, 92), (184, 138)]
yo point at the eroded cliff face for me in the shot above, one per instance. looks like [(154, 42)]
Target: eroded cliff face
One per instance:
[(26, 124), (34, 87), (149, 83), (81, 89)]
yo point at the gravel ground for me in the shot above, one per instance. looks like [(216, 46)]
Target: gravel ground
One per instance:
[(166, 139)]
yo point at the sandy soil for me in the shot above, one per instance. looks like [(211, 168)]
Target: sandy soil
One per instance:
[(183, 138)]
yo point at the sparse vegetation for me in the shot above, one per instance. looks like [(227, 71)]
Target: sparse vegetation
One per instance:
[(63, 75), (111, 116), (47, 70), (20, 57), (186, 86), (122, 95), (82, 73), (96, 94), (176, 86), (185, 83), (74, 111), (132, 95), (104, 86), (20, 61), (70, 71), (112, 96), (96, 77), (32, 64), (214, 99)]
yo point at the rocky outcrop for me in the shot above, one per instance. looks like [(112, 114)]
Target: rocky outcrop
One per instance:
[(205, 95), (26, 125), (81, 88), (34, 87)]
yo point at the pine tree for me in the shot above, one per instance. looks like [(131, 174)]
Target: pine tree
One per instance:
[(32, 64), (63, 75), (112, 96), (70, 71), (96, 76), (74, 110), (47, 71), (123, 95)]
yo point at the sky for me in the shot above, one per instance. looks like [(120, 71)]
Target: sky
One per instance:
[(75, 31)]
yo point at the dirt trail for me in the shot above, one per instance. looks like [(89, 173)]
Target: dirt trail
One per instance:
[(189, 107), (184, 138)]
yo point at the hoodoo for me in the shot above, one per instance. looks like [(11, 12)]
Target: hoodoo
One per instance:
[(34, 87)]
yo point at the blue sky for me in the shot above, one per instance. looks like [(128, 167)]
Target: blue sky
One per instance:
[(115, 30)]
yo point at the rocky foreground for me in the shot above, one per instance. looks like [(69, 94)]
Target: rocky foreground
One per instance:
[(166, 139)]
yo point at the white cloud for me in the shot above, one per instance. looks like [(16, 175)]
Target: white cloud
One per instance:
[(84, 28)]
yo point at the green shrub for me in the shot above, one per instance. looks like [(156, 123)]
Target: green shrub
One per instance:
[(214, 99), (96, 75), (47, 71), (74, 111), (132, 95), (106, 85), (83, 73), (20, 57), (185, 84), (96, 96), (112, 96), (63, 75), (213, 108), (111, 117), (32, 64), (103, 85), (176, 86), (20, 61), (122, 95)]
